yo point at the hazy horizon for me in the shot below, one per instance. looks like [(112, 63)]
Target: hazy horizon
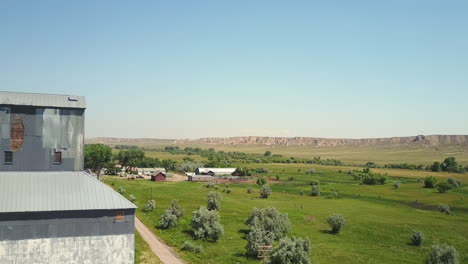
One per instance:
[(178, 70)]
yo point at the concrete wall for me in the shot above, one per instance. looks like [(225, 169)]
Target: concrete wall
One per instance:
[(46, 130), (87, 249)]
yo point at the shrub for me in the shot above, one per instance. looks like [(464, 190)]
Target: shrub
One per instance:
[(311, 171), (301, 193), (149, 206), (291, 250), (396, 185), (121, 190), (261, 181), (316, 190), (271, 220), (257, 237), (249, 190), (277, 177), (444, 208), (216, 187), (430, 182), (187, 246), (228, 190), (373, 179), (444, 187), (443, 254), (454, 182), (205, 224), (332, 195), (132, 198), (265, 191), (168, 219), (209, 185), (417, 238), (214, 201), (336, 222), (314, 182), (291, 179)]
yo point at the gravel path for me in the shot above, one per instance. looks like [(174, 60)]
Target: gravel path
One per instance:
[(161, 250)]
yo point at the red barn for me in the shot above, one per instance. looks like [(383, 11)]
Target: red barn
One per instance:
[(158, 176)]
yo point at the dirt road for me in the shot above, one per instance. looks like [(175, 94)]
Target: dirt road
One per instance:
[(161, 250)]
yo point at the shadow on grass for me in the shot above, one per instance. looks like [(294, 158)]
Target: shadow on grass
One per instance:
[(326, 231), (189, 232)]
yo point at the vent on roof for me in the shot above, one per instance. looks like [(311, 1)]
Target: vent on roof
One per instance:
[(72, 99)]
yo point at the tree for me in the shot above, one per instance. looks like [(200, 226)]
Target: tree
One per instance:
[(291, 251), (430, 182), (214, 201), (206, 224), (336, 222), (265, 191), (267, 153), (443, 254), (96, 157), (436, 166), (130, 159), (450, 164), (444, 187)]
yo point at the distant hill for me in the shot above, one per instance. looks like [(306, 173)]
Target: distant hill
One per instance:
[(432, 140)]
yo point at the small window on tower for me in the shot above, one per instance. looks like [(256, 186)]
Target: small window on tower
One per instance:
[(57, 157), (119, 216), (8, 159)]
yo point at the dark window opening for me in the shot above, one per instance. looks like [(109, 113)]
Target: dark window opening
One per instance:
[(8, 159), (57, 157), (119, 216)]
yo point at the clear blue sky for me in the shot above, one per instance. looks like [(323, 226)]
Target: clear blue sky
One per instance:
[(189, 69)]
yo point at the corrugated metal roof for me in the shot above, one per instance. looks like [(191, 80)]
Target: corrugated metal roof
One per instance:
[(217, 170), (56, 191), (46, 100)]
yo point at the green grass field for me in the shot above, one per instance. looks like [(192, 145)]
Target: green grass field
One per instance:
[(379, 218)]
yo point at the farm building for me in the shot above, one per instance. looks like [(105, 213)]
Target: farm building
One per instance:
[(158, 176), (51, 210), (215, 171), (150, 171), (200, 178)]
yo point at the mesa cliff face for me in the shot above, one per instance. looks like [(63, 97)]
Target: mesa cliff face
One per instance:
[(432, 140)]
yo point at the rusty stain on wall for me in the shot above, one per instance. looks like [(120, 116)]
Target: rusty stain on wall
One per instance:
[(17, 134)]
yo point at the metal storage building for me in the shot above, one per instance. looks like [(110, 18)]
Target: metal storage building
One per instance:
[(53, 212)]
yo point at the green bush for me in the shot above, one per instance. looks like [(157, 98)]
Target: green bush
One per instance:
[(265, 191), (336, 222), (249, 190), (171, 215), (271, 220), (444, 208), (454, 182), (311, 171), (132, 198), (228, 190), (332, 195), (121, 190), (373, 179), (315, 190), (205, 224), (188, 246), (291, 251), (261, 181), (443, 187), (214, 201), (258, 237), (417, 238), (396, 185), (265, 226), (443, 254), (430, 182), (291, 179), (314, 182), (149, 206)]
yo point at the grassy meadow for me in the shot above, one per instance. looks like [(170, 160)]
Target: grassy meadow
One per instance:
[(379, 218)]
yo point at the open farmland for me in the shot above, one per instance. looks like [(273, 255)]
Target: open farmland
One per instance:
[(379, 218)]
